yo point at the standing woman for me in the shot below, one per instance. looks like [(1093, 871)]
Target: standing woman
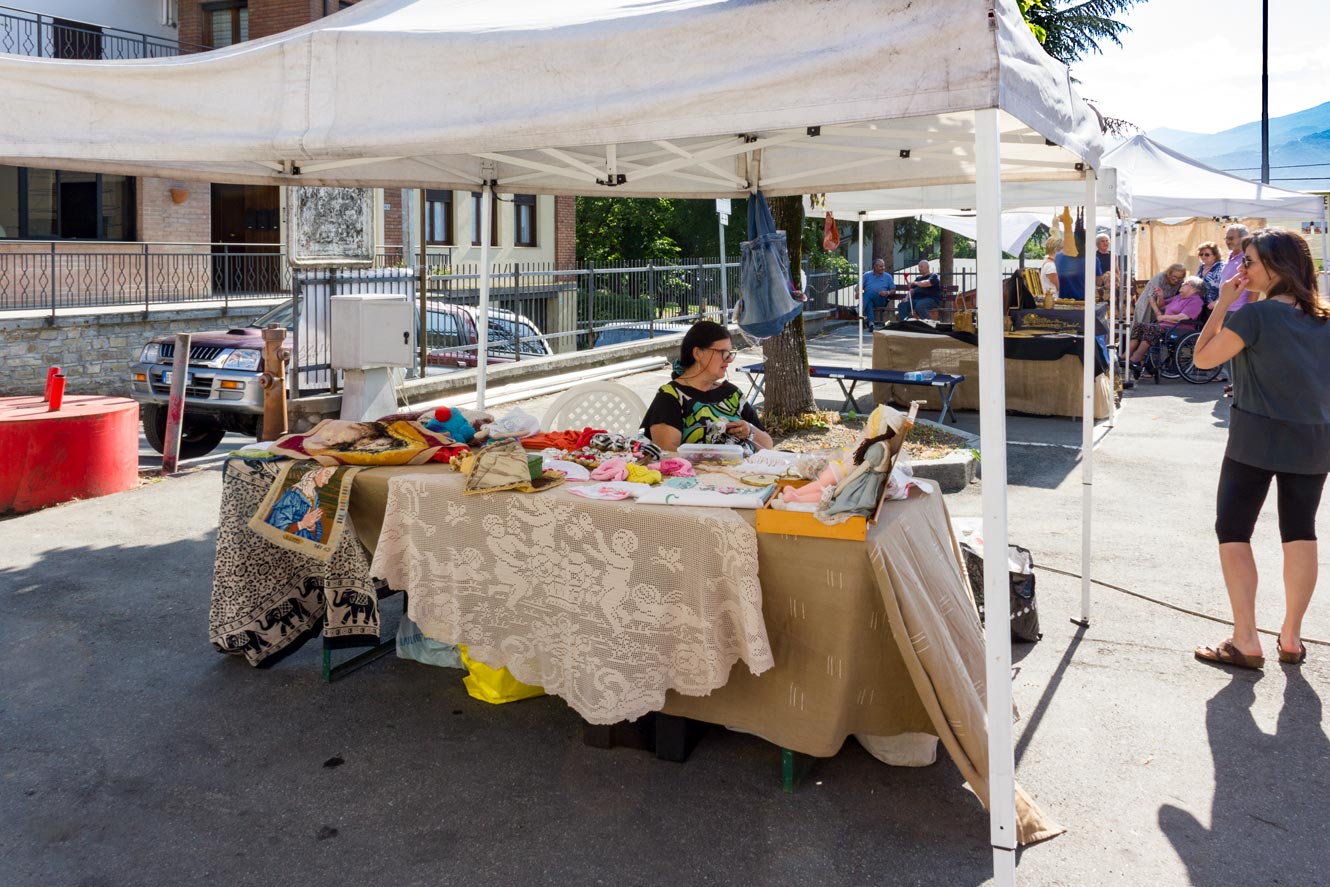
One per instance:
[(1211, 270), (1279, 428), (1048, 272)]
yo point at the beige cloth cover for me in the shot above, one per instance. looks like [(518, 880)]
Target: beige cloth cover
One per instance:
[(877, 639), (606, 604), (1037, 387)]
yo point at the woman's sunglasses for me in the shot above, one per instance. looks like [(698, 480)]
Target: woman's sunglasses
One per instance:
[(1247, 262), (731, 354)]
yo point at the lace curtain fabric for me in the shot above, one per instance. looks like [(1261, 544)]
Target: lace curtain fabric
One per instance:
[(604, 604)]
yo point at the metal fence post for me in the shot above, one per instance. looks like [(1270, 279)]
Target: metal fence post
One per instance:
[(591, 306), (697, 291), (147, 299), (52, 283), (517, 325)]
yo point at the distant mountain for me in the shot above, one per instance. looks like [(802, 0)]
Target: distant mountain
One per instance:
[(1295, 141)]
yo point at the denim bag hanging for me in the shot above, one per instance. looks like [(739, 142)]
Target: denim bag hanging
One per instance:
[(764, 275)]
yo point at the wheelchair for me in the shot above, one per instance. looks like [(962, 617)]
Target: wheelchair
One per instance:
[(1171, 357)]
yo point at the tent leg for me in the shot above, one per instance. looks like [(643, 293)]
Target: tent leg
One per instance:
[(993, 438), (862, 295), (1087, 413), (482, 318)]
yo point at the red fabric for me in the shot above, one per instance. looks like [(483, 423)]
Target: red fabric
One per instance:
[(830, 234), (445, 454), (560, 440)]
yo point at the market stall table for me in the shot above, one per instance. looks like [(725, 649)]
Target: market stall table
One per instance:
[(878, 638), (1044, 376)]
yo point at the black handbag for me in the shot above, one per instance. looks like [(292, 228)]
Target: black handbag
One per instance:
[(1024, 610)]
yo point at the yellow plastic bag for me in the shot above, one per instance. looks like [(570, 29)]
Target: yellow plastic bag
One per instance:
[(495, 686)]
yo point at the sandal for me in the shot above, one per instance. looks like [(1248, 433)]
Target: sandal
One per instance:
[(1227, 654), (1290, 658)]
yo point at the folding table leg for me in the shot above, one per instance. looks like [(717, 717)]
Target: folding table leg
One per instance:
[(946, 404), (850, 406), (793, 768)]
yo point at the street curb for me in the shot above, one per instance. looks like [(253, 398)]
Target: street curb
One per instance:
[(954, 471)]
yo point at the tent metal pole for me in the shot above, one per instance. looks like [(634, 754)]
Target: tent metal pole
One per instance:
[(862, 294), (1087, 396), (1113, 252), (1325, 248), (482, 319), (993, 445)]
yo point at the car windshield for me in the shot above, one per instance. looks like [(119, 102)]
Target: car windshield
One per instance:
[(501, 331), (278, 314)]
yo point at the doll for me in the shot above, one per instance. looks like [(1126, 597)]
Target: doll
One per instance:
[(450, 422)]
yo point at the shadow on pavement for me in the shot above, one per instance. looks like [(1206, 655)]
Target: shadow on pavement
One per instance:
[(136, 754), (1267, 820)]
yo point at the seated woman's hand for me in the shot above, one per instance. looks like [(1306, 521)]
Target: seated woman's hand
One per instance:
[(739, 429)]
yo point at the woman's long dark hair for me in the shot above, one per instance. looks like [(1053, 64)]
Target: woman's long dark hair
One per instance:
[(702, 334), (1289, 260)]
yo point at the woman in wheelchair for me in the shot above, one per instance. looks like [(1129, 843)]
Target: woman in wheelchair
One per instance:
[(1179, 312)]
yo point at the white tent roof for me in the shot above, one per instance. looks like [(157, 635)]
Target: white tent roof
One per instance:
[(1166, 184), (1031, 196), (689, 98)]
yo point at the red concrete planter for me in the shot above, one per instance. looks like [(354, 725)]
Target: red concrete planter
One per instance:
[(89, 447)]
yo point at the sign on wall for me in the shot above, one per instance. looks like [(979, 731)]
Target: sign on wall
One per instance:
[(331, 226)]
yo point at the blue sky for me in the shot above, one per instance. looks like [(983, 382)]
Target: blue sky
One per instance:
[(1196, 64)]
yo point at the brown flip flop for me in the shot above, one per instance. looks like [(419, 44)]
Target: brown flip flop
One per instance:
[(1290, 658), (1227, 654)]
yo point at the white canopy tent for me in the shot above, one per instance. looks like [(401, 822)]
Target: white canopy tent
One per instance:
[(1020, 202), (1166, 184), (682, 98)]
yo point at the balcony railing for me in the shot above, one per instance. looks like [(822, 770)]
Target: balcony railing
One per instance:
[(32, 33)]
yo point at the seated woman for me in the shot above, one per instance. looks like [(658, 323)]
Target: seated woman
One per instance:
[(697, 405), (1180, 310)]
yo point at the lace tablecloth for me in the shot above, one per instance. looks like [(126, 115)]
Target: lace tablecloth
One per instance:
[(605, 604)]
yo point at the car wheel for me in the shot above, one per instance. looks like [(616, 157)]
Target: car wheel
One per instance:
[(197, 437)]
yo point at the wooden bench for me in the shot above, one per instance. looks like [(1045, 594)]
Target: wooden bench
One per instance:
[(945, 310), (945, 383)]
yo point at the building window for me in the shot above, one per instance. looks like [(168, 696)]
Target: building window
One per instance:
[(439, 217), (524, 220), (225, 23), (50, 204), (475, 219)]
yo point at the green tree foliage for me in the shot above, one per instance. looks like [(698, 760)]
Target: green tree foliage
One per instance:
[(1072, 29), (610, 229)]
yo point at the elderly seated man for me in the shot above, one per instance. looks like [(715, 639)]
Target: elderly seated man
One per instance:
[(925, 294), (876, 290)]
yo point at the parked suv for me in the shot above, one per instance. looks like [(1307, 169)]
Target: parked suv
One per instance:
[(222, 391)]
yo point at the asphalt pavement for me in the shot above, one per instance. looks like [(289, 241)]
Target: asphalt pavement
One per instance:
[(131, 753)]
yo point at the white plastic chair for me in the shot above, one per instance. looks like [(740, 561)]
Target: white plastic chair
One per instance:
[(606, 405)]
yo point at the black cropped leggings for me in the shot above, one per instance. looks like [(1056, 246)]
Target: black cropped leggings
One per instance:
[(1242, 491)]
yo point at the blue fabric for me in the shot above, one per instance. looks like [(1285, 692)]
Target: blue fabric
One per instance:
[(1071, 276), (289, 508), (922, 305), (872, 285), (764, 275)]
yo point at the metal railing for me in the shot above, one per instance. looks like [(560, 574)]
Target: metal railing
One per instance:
[(34, 34), (55, 275)]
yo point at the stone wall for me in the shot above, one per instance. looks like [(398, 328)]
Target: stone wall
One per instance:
[(95, 350)]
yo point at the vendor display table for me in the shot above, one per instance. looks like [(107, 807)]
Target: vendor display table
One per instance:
[(622, 609), (1037, 387)]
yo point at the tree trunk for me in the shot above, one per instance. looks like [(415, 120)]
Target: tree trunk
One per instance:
[(789, 391), (947, 261), (883, 234)]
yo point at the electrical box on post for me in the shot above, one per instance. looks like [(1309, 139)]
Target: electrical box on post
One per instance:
[(372, 330)]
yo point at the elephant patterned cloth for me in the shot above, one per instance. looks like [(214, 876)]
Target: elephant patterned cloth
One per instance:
[(268, 600)]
